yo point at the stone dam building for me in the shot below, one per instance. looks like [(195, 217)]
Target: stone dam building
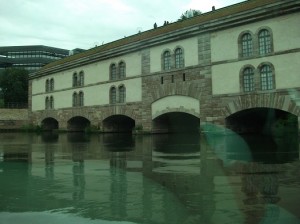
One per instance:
[(236, 67)]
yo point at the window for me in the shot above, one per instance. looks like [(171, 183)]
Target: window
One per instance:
[(183, 77), (259, 44), (47, 85), (264, 40), (266, 77), (75, 99), (122, 70), (122, 94), (81, 79), (51, 102), (51, 84), (167, 60), (178, 58), (172, 78), (113, 95), (113, 72), (247, 45), (47, 103), (75, 79), (248, 80), (81, 99), (161, 80)]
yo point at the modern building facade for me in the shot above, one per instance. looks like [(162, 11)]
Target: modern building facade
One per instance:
[(31, 57), (230, 67)]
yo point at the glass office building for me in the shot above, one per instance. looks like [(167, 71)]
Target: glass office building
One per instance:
[(31, 57)]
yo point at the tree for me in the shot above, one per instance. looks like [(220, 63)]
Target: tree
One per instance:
[(189, 14), (14, 86)]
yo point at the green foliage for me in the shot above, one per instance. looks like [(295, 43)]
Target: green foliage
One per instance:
[(14, 85), (31, 128), (138, 127), (189, 14), (91, 129)]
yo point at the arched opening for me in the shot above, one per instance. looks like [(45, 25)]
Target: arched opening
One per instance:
[(176, 122), (270, 134), (49, 124), (78, 123), (118, 124), (266, 121)]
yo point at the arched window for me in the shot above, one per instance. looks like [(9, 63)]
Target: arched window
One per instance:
[(113, 95), (122, 70), (247, 45), (51, 84), (266, 77), (81, 79), (122, 94), (47, 85), (179, 58), (81, 99), (264, 41), (248, 80), (47, 103), (167, 60), (75, 79), (75, 99), (113, 72), (51, 104)]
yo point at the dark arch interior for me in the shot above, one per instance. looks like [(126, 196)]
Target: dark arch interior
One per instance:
[(270, 134), (118, 124), (176, 122), (266, 121), (49, 124), (78, 124)]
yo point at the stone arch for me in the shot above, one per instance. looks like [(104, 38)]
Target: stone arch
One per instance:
[(49, 123), (175, 103), (78, 123), (285, 102), (188, 89), (120, 110), (118, 123)]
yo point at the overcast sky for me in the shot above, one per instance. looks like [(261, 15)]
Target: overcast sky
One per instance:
[(83, 24)]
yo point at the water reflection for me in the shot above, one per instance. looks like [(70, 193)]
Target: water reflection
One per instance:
[(150, 179)]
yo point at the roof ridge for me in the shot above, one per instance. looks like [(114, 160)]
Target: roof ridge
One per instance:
[(152, 33)]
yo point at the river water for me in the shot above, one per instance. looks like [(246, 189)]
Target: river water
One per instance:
[(168, 178)]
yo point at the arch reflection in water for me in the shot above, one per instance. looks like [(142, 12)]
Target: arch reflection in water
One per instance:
[(146, 184)]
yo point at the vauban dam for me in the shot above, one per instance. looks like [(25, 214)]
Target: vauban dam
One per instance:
[(235, 68)]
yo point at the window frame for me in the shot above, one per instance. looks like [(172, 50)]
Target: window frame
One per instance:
[(179, 57), (113, 95), (166, 60), (122, 94), (122, 70), (265, 42), (113, 71), (247, 46), (268, 75), (81, 79), (75, 79), (248, 79)]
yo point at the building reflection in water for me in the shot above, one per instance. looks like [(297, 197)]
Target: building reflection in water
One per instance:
[(79, 146), (156, 179)]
